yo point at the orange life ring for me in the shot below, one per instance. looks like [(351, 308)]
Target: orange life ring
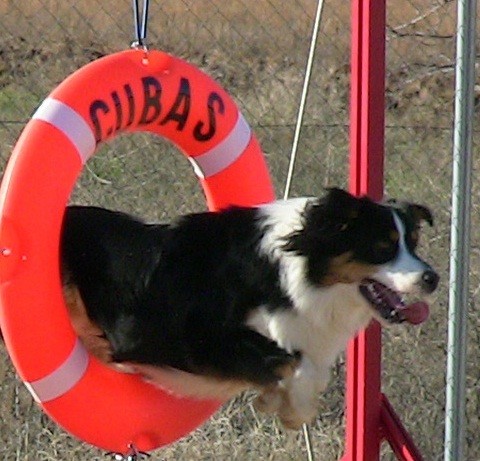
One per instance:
[(127, 91)]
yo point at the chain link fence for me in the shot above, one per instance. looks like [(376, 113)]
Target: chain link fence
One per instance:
[(258, 52)]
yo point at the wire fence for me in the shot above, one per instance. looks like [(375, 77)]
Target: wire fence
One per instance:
[(258, 52)]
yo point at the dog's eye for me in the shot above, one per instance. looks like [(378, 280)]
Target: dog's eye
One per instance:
[(386, 245), (385, 250)]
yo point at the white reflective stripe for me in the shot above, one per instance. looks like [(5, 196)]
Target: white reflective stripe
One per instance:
[(69, 122), (225, 153), (61, 380)]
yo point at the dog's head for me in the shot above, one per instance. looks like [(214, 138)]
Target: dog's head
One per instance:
[(352, 240)]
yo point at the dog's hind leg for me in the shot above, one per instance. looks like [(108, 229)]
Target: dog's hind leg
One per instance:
[(91, 335)]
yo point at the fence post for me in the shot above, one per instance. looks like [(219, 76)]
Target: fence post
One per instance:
[(460, 230)]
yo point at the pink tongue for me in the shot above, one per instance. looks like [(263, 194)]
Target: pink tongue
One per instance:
[(416, 313)]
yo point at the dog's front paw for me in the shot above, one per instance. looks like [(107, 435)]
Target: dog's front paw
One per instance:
[(270, 400), (294, 421), (291, 412), (293, 415)]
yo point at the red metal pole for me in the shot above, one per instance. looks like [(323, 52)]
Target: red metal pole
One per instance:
[(370, 417), (367, 123), (363, 431), (396, 434)]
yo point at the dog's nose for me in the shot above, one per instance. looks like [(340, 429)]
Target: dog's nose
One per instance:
[(430, 280)]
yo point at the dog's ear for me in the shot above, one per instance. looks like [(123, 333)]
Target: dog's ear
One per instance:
[(341, 204), (323, 220), (420, 213), (334, 212)]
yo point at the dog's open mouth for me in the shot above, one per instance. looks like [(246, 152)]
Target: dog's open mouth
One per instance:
[(390, 305)]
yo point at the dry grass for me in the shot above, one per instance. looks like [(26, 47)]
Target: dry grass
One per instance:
[(257, 50)]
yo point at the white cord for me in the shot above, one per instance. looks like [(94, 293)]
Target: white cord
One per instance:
[(303, 99), (308, 443), (293, 154)]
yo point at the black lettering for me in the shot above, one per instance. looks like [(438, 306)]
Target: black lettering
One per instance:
[(152, 91), (181, 107), (215, 104), (95, 107), (131, 103), (118, 110)]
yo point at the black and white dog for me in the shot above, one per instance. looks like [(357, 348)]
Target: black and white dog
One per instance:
[(263, 297)]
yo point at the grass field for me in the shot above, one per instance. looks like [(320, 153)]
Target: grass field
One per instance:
[(257, 51)]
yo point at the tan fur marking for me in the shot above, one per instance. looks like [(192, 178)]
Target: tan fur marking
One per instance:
[(343, 270), (415, 237), (269, 400), (394, 236), (89, 333), (287, 370)]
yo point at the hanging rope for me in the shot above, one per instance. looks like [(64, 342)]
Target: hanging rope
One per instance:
[(293, 154), (303, 100), (140, 27)]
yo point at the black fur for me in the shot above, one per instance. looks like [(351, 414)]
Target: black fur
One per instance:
[(340, 223), (179, 295), (176, 295)]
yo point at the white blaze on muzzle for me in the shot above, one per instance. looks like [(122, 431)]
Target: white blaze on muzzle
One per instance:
[(404, 273)]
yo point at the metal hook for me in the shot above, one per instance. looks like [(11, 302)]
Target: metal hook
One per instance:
[(140, 28), (132, 455)]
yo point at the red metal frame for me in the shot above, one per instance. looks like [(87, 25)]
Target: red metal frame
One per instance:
[(370, 417)]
